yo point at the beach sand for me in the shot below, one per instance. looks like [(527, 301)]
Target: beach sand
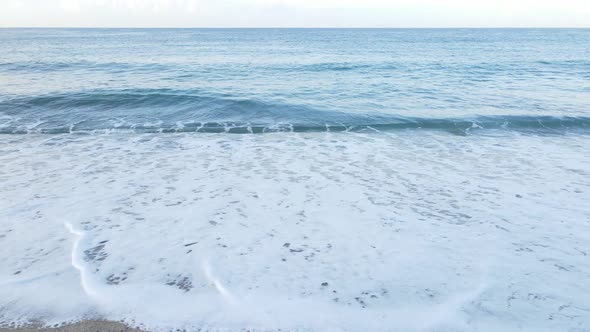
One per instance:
[(84, 326)]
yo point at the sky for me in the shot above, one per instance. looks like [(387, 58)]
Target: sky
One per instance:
[(294, 13)]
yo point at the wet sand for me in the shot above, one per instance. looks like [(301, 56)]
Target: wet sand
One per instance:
[(85, 326)]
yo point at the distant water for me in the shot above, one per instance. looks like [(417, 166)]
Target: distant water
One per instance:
[(378, 180), (57, 81)]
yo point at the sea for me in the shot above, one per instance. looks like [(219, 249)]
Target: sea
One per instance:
[(296, 179)]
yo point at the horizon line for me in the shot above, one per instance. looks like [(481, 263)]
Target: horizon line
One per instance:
[(293, 27)]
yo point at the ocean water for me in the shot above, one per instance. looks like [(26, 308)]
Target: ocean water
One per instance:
[(296, 179)]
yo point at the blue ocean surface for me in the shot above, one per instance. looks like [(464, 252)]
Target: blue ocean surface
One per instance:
[(296, 179), (256, 80)]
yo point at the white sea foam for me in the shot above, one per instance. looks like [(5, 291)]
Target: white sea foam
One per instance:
[(299, 231)]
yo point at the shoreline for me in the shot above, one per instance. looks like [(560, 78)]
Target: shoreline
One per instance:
[(82, 326)]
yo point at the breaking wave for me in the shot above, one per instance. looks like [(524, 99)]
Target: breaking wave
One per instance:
[(166, 111)]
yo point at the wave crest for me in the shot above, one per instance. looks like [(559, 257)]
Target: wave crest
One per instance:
[(166, 110)]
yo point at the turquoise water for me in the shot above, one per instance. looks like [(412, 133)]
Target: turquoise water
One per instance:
[(215, 80)]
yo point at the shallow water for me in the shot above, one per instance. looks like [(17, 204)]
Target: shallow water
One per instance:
[(401, 180)]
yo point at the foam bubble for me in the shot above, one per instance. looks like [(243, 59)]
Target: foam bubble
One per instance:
[(325, 231)]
